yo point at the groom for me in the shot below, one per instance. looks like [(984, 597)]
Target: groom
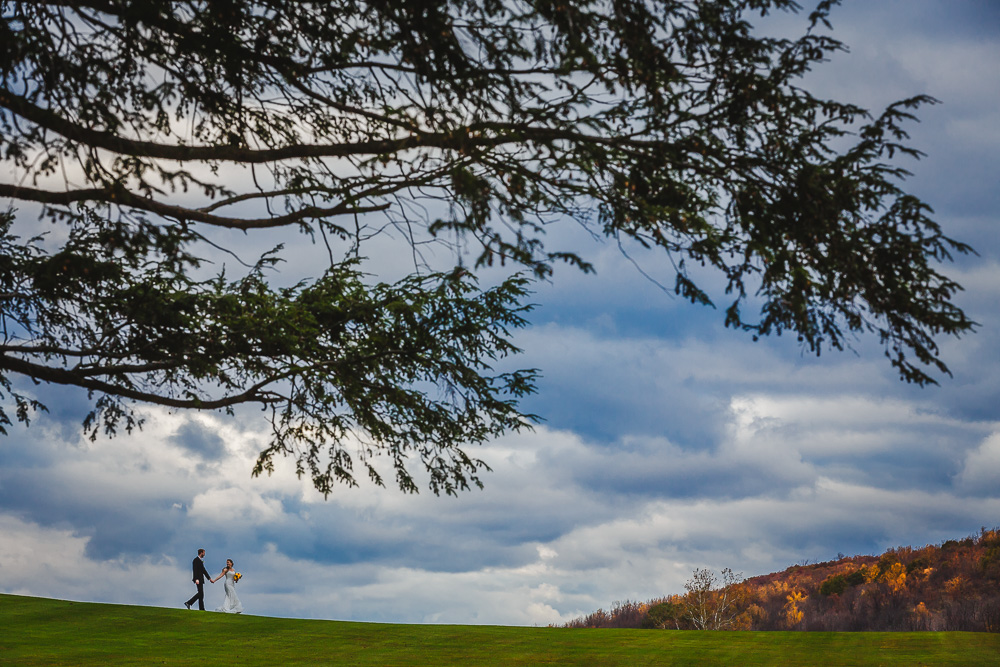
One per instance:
[(198, 575)]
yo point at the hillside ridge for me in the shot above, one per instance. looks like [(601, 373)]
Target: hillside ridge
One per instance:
[(954, 586)]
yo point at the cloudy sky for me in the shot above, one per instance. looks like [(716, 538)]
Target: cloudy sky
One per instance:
[(670, 443)]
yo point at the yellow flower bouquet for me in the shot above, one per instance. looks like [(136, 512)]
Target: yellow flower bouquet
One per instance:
[(237, 577)]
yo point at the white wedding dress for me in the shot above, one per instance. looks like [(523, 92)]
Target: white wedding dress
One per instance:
[(232, 604)]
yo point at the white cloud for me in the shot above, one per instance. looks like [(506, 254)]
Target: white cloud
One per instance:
[(51, 562), (571, 544), (981, 473), (217, 506)]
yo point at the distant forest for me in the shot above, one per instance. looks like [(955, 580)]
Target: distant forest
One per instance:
[(951, 586)]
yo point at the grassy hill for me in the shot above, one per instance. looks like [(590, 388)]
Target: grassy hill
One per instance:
[(36, 631)]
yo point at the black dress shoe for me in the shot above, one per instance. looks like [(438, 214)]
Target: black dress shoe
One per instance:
[(187, 604)]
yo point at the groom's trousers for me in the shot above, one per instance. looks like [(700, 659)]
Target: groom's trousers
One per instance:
[(199, 596)]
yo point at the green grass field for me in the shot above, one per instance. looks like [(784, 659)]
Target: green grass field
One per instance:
[(37, 631)]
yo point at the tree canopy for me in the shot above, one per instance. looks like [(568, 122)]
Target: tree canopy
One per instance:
[(138, 127)]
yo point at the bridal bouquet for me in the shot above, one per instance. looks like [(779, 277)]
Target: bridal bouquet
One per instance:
[(237, 577)]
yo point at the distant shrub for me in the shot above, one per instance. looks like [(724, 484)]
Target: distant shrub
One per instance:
[(627, 614), (855, 578), (662, 616), (990, 562), (895, 577), (833, 585), (951, 545), (870, 572), (990, 538), (597, 619), (918, 564), (887, 560)]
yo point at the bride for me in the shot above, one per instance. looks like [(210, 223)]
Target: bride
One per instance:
[(231, 605)]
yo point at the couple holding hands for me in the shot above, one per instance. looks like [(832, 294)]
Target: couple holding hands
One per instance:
[(231, 605)]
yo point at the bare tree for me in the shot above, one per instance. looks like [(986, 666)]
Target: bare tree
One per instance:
[(712, 603)]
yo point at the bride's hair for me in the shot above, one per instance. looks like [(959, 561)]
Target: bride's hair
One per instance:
[(230, 563)]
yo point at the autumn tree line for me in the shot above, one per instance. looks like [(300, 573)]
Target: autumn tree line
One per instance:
[(951, 586)]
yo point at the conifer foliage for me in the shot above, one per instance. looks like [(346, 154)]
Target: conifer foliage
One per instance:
[(140, 129)]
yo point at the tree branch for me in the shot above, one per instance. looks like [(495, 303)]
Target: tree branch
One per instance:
[(470, 136), (68, 377), (122, 197)]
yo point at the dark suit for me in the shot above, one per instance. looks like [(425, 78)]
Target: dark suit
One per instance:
[(199, 575)]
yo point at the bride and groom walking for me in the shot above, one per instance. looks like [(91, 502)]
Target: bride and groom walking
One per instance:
[(199, 574)]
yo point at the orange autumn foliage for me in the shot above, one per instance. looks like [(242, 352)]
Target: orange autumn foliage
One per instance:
[(950, 586)]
